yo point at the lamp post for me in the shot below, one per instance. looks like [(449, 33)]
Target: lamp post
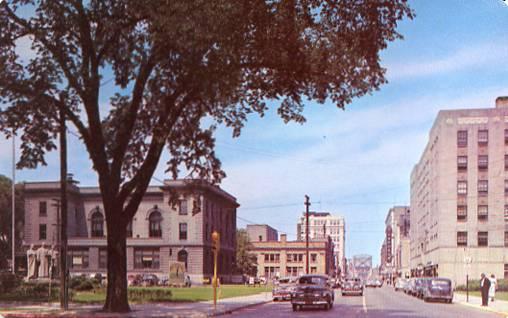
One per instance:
[(215, 247), (13, 198)]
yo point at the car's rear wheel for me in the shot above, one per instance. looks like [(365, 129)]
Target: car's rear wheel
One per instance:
[(295, 307)]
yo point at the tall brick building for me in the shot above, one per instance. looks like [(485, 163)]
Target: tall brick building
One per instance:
[(158, 234), (459, 196)]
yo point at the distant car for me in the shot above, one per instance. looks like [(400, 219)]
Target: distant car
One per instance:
[(352, 286), (400, 284), (370, 283), (283, 289), (438, 288), (379, 283), (134, 280), (149, 280), (408, 289), (312, 290)]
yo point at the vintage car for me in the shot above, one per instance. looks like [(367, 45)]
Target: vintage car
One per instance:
[(352, 286), (410, 286), (312, 290), (438, 288), (370, 283), (420, 285), (400, 284), (283, 289)]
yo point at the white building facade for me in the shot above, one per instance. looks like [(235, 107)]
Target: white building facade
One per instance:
[(322, 225)]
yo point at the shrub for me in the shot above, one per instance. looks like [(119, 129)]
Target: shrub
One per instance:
[(82, 283), (149, 295), (9, 281), (474, 285)]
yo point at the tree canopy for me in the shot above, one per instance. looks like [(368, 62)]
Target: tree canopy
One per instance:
[(175, 64), (246, 261)]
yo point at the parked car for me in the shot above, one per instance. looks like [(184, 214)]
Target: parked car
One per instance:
[(134, 280), (400, 284), (149, 280), (370, 283), (312, 290), (378, 283), (352, 286), (282, 289), (408, 289), (438, 288), (420, 285)]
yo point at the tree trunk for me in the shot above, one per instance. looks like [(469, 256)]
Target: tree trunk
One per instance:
[(116, 298)]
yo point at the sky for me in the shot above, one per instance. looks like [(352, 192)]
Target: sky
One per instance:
[(356, 162)]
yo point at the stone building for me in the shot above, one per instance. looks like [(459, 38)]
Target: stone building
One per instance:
[(159, 233), (395, 262), (288, 258), (459, 196), (322, 225), (261, 233)]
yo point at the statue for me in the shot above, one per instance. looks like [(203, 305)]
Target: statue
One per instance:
[(31, 258), (42, 257), (53, 264)]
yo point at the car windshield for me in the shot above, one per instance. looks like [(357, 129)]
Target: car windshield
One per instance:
[(443, 283), (312, 280), (284, 281)]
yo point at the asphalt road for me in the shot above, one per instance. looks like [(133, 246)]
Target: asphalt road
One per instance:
[(376, 303)]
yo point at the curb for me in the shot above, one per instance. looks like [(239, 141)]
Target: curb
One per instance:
[(230, 311), (484, 308)]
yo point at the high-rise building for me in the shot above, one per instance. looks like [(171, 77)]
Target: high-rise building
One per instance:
[(322, 225), (459, 196)]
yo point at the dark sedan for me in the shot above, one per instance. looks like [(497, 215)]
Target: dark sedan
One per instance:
[(438, 289), (312, 290)]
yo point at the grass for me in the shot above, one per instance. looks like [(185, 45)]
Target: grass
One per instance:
[(499, 295), (167, 294)]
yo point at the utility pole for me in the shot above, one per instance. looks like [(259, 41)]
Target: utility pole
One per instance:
[(64, 303), (13, 198), (307, 204)]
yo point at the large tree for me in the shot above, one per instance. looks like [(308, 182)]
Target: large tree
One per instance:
[(246, 261), (176, 65)]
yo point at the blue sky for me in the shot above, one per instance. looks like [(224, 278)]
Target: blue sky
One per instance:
[(355, 163)]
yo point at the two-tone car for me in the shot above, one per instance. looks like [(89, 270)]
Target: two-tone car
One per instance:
[(352, 286), (312, 290), (283, 289)]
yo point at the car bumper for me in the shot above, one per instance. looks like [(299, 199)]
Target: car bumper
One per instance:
[(285, 296), (354, 291), (303, 302)]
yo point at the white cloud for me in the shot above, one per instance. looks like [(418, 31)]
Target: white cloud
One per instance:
[(465, 58)]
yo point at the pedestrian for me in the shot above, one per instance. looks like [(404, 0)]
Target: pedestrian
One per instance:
[(484, 287), (493, 286)]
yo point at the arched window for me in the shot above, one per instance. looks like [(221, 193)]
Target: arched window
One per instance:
[(154, 227), (97, 224)]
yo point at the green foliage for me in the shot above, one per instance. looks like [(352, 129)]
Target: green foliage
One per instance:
[(33, 292), (246, 261), (142, 295), (83, 283), (474, 285)]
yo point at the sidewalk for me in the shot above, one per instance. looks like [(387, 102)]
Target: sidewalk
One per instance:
[(196, 309), (498, 306)]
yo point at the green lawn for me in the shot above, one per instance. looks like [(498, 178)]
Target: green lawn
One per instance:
[(499, 295), (161, 294)]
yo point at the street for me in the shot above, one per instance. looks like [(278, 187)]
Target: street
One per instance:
[(379, 302)]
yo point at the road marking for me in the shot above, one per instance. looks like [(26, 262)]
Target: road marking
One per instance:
[(364, 304)]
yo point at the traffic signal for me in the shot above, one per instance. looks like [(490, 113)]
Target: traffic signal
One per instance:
[(215, 241)]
